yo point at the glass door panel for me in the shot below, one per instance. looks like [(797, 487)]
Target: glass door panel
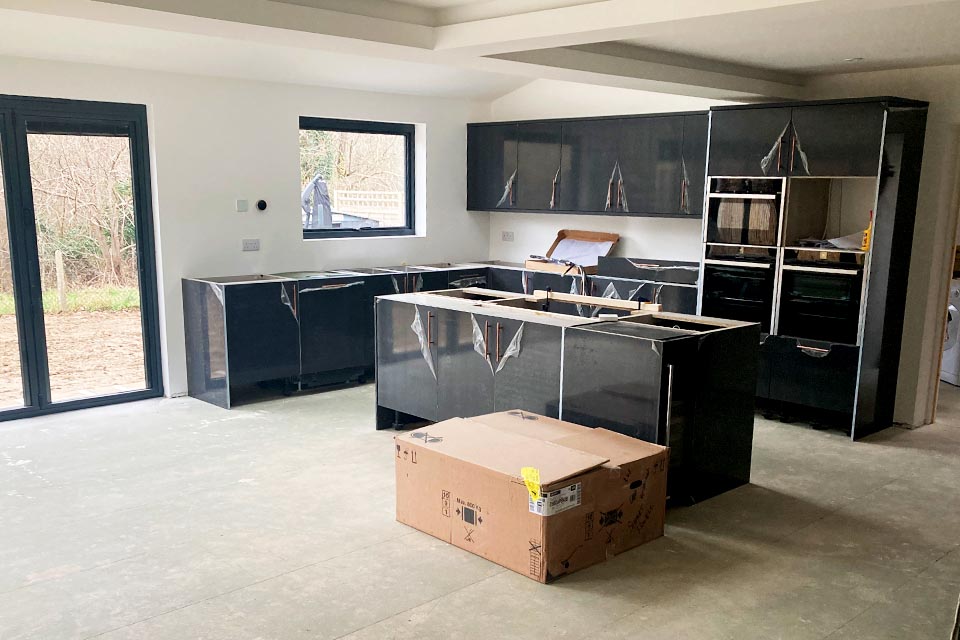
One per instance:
[(11, 373), (87, 249)]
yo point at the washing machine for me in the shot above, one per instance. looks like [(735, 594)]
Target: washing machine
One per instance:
[(950, 367)]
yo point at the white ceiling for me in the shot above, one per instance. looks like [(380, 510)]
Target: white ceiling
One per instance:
[(805, 40), (137, 47)]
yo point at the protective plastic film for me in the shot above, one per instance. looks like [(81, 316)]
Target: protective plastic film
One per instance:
[(768, 159), (417, 327), (217, 291), (803, 156), (480, 342), (513, 349), (610, 293), (285, 299), (507, 189)]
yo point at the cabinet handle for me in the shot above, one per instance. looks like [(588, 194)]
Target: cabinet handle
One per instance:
[(486, 339), (609, 195), (499, 329), (430, 328), (793, 148), (779, 150), (683, 193), (620, 194)]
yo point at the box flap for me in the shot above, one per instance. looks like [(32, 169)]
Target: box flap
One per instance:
[(582, 247), (531, 425), (502, 451), (616, 447)]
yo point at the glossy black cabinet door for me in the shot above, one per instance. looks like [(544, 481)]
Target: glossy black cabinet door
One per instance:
[(502, 279), (205, 337), (465, 372), (589, 157), (650, 153), (744, 142), (814, 374), (491, 166), (837, 140), (527, 366), (407, 358), (694, 163), (538, 165), (263, 341), (331, 338), (374, 286), (427, 281), (626, 397)]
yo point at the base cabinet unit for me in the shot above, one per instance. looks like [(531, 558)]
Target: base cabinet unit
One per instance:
[(239, 330), (407, 358), (666, 380), (810, 373), (333, 344)]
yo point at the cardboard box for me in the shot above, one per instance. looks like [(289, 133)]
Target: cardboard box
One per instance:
[(536, 495), (575, 241)]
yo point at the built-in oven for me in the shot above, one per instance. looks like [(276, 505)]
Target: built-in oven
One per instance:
[(738, 290), (820, 303)]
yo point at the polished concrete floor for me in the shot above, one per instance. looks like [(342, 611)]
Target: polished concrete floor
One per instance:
[(177, 520)]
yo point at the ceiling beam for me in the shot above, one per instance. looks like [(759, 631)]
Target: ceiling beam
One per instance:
[(593, 68), (604, 21)]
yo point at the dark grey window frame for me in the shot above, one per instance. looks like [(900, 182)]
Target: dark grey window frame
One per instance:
[(408, 131)]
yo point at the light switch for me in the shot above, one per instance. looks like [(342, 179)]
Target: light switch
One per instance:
[(251, 244), (243, 206)]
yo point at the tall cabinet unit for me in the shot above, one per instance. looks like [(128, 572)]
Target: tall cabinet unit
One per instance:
[(792, 190)]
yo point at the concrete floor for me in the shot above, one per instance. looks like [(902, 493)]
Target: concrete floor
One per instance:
[(174, 519)]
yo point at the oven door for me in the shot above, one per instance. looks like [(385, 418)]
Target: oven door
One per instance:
[(738, 291), (820, 303)]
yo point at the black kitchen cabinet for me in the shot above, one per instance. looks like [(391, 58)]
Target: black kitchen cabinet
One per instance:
[(465, 373), (538, 165), (837, 140), (491, 166), (332, 341), (813, 374), (239, 330), (650, 165), (750, 142), (588, 176), (694, 163), (666, 379), (527, 366), (505, 279), (407, 370)]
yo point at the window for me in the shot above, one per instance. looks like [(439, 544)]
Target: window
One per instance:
[(356, 178)]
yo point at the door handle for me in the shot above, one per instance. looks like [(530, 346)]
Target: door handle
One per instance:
[(609, 195), (430, 327), (620, 193)]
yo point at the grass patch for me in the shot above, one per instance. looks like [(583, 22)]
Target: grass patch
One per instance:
[(99, 299)]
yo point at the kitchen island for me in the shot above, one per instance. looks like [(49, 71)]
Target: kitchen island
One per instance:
[(672, 379)]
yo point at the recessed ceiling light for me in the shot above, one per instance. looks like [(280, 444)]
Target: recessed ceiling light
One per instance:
[(853, 59)]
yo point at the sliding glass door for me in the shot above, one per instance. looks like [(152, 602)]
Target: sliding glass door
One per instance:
[(77, 276)]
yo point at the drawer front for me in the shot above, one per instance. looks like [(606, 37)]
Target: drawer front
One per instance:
[(813, 374)]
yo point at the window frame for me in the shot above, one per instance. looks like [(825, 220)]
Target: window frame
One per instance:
[(408, 131)]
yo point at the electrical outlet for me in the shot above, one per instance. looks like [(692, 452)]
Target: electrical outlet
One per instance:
[(251, 245), (243, 206), (506, 236)]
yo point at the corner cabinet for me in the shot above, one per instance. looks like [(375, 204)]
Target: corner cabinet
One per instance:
[(645, 165)]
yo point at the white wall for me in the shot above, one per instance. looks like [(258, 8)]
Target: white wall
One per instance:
[(214, 141), (664, 238), (936, 220)]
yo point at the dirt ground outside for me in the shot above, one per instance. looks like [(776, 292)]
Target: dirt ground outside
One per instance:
[(91, 353)]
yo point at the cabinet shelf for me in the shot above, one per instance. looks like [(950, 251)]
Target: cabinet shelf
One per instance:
[(825, 250), (746, 196)]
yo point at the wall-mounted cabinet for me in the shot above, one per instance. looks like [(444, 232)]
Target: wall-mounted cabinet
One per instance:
[(820, 140), (650, 165)]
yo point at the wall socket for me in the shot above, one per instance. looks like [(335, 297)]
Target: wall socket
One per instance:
[(506, 236), (251, 245)]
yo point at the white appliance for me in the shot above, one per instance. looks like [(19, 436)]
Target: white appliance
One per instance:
[(950, 367)]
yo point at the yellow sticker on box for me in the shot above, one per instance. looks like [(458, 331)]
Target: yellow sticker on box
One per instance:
[(531, 478)]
